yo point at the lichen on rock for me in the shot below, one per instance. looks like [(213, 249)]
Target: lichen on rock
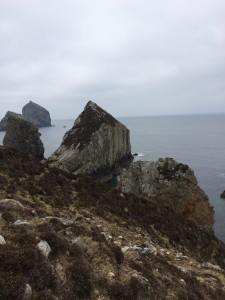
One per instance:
[(173, 183), (97, 144)]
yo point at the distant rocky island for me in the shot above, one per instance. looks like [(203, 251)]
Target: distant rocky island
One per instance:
[(66, 234), (32, 112)]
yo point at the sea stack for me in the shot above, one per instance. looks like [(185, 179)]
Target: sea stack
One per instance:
[(24, 136), (36, 114), (3, 122), (97, 145)]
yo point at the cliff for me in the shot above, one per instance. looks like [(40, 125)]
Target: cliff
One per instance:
[(3, 122), (24, 136), (171, 182), (36, 114), (97, 144), (65, 236)]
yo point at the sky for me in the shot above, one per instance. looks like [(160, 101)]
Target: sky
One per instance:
[(131, 57)]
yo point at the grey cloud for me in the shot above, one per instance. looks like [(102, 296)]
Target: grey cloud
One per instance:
[(132, 57)]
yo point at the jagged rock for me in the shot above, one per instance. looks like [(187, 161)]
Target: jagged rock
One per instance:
[(44, 247), (24, 136), (97, 144), (2, 240), (172, 182), (28, 292), (3, 122), (21, 223), (63, 221), (211, 266), (180, 256), (11, 204), (222, 195), (36, 114)]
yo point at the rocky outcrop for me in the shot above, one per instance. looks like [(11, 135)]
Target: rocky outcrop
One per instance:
[(222, 195), (3, 122), (97, 145), (24, 136), (36, 114), (118, 246), (172, 183)]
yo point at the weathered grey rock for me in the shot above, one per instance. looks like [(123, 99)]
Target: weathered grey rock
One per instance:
[(97, 145), (28, 292), (4, 121), (36, 114), (211, 266), (2, 240), (80, 244), (180, 256), (11, 204), (21, 223), (63, 221), (24, 136), (172, 183), (44, 247)]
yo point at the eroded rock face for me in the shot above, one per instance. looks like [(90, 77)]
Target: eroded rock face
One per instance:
[(3, 122), (24, 136), (97, 144), (36, 114), (171, 182)]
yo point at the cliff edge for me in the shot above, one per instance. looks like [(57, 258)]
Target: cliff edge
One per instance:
[(66, 236), (173, 184)]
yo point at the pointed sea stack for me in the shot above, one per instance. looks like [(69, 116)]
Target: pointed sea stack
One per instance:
[(97, 145), (24, 136), (3, 122), (36, 114)]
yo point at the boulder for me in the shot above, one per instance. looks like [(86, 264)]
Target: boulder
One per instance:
[(36, 114), (97, 145), (44, 248), (3, 122), (9, 204), (24, 136), (171, 182), (2, 240)]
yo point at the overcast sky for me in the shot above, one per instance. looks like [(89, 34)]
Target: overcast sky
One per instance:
[(132, 57)]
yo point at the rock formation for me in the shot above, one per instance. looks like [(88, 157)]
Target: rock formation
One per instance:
[(97, 144), (24, 136), (222, 195), (36, 114), (3, 122), (171, 183)]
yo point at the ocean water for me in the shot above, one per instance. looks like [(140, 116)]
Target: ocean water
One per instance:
[(197, 140)]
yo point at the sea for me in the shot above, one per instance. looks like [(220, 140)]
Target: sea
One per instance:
[(195, 140)]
